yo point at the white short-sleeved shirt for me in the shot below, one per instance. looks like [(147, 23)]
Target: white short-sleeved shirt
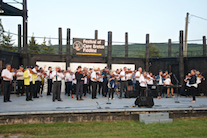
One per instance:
[(123, 78), (7, 73), (137, 74), (150, 81), (19, 72), (59, 78), (68, 77), (167, 81), (93, 75), (73, 78), (142, 81), (128, 76)]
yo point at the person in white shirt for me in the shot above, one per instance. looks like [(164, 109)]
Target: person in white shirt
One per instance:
[(143, 83), (68, 82), (7, 78), (49, 81), (129, 79), (124, 83), (137, 76), (187, 85), (57, 77), (73, 83), (168, 83), (36, 87), (160, 81), (20, 81), (94, 81)]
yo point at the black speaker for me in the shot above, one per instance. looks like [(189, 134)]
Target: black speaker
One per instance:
[(144, 101)]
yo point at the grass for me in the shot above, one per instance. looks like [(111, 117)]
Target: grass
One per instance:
[(179, 128)]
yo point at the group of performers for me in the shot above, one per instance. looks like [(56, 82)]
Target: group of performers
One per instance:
[(92, 81)]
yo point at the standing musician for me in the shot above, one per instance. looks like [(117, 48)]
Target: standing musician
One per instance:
[(94, 81), (143, 83), (28, 83), (160, 81), (7, 81), (105, 81), (79, 84), (68, 82), (36, 81), (73, 83), (57, 77), (20, 81), (85, 82), (134, 79), (49, 81), (192, 82), (112, 85), (168, 83), (129, 79), (42, 82), (137, 76), (187, 85), (199, 80), (124, 83)]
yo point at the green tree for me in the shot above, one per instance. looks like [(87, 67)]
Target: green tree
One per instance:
[(6, 42), (47, 49), (154, 52), (1, 30), (33, 46)]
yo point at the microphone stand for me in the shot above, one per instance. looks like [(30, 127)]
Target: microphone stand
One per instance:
[(176, 87)]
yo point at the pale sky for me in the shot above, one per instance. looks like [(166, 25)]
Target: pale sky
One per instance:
[(162, 19)]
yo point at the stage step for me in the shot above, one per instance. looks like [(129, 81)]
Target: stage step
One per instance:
[(150, 118)]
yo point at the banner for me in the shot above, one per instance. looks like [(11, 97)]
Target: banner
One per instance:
[(91, 47)]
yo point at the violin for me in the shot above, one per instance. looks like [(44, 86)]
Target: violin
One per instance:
[(97, 73), (127, 72), (32, 72)]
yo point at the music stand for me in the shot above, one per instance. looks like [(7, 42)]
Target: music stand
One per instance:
[(176, 87)]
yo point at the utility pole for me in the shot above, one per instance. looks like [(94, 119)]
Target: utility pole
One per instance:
[(185, 48)]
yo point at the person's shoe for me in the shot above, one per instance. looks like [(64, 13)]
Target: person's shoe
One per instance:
[(109, 98), (85, 96), (60, 100), (167, 96), (27, 100), (9, 101), (193, 101), (81, 99), (17, 95), (78, 99), (31, 100), (53, 100), (37, 97), (5, 101), (72, 95), (49, 94), (172, 96), (95, 98), (22, 94)]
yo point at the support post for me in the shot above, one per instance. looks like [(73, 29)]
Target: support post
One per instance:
[(126, 44), (25, 47), (204, 46), (147, 52), (109, 55), (19, 38), (60, 41), (96, 34), (185, 49), (68, 49), (169, 47), (181, 63)]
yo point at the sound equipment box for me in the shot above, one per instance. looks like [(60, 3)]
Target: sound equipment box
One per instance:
[(143, 101)]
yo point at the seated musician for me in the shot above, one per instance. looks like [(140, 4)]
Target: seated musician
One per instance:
[(168, 83)]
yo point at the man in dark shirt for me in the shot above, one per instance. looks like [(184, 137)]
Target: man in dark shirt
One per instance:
[(105, 81), (79, 83), (193, 84)]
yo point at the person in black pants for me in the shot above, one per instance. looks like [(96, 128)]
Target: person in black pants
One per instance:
[(7, 82), (49, 80), (94, 80), (20, 81), (192, 82), (105, 81), (79, 84)]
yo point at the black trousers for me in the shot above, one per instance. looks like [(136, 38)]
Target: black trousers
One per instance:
[(56, 90), (74, 89), (79, 90), (37, 88), (85, 89), (100, 87), (111, 93), (68, 88), (105, 88), (94, 88), (41, 88), (142, 91), (124, 85), (7, 90), (159, 90), (20, 84), (28, 91), (193, 92), (138, 86), (49, 86)]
